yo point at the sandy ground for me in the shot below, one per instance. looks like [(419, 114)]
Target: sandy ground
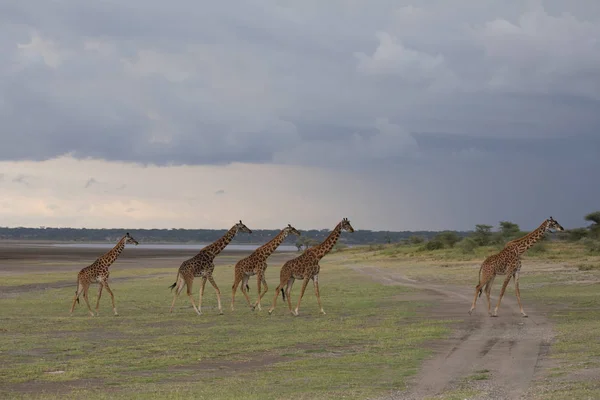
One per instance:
[(510, 349)]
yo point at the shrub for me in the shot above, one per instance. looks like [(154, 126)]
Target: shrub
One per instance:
[(416, 239), (434, 244), (538, 248), (467, 245), (448, 238)]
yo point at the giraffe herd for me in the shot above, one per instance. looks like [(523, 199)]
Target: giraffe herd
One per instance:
[(305, 267)]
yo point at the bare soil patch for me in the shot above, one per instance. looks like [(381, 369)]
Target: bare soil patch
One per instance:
[(500, 357)]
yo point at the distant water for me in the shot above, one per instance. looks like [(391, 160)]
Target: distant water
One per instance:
[(192, 247)]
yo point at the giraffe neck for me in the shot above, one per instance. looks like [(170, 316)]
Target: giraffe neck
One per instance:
[(325, 247), (216, 247), (113, 254), (268, 248), (524, 243)]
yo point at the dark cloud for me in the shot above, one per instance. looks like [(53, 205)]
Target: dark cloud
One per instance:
[(426, 90), (210, 86), (219, 192)]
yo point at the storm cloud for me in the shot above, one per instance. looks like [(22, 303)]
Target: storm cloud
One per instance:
[(430, 91)]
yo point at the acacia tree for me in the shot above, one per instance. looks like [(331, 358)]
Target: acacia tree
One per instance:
[(595, 227), (483, 234)]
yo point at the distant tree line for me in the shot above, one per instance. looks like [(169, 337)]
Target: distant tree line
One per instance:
[(467, 241), (507, 231), (258, 236)]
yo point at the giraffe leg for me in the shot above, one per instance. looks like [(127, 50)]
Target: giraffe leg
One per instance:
[(504, 285), (214, 284), (260, 295), (484, 279), (77, 294), (85, 297), (201, 295), (245, 290), (518, 293), (316, 285), (488, 292), (188, 284), (99, 295), (304, 283), (178, 289), (288, 293), (236, 281), (112, 297), (279, 287)]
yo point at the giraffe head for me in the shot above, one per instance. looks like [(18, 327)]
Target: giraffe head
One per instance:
[(552, 224), (241, 227), (290, 229), (346, 225), (130, 239)]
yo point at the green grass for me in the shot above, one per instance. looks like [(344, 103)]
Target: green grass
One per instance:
[(367, 344), (563, 277)]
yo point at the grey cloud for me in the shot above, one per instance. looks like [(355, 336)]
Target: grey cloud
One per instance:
[(21, 179), (220, 191), (434, 89), (90, 182), (210, 87)]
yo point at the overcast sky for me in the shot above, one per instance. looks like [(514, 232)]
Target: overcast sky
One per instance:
[(400, 115)]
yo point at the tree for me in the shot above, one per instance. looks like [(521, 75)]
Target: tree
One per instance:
[(595, 227), (448, 238), (387, 238), (509, 229), (593, 217), (483, 234)]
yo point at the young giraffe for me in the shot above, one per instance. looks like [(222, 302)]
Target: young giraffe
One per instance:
[(98, 273), (201, 265), (256, 264), (306, 267), (508, 262)]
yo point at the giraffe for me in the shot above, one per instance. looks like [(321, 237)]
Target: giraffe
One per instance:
[(201, 265), (98, 272), (306, 266), (256, 264), (508, 262)]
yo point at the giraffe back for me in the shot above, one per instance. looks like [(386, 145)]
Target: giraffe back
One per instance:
[(502, 262), (306, 264), (199, 265)]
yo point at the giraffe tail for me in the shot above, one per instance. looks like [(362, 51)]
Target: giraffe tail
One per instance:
[(283, 293), (479, 283), (173, 285), (77, 297), (247, 287)]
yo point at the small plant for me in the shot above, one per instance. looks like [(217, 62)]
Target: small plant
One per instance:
[(588, 267), (538, 248)]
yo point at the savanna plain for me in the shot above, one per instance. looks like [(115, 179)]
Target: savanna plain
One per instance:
[(396, 327)]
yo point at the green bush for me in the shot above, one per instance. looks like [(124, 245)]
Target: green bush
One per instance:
[(434, 244), (592, 245), (467, 245), (416, 239), (577, 234), (448, 238), (538, 248)]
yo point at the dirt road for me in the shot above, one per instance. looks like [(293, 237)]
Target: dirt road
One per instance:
[(497, 356)]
